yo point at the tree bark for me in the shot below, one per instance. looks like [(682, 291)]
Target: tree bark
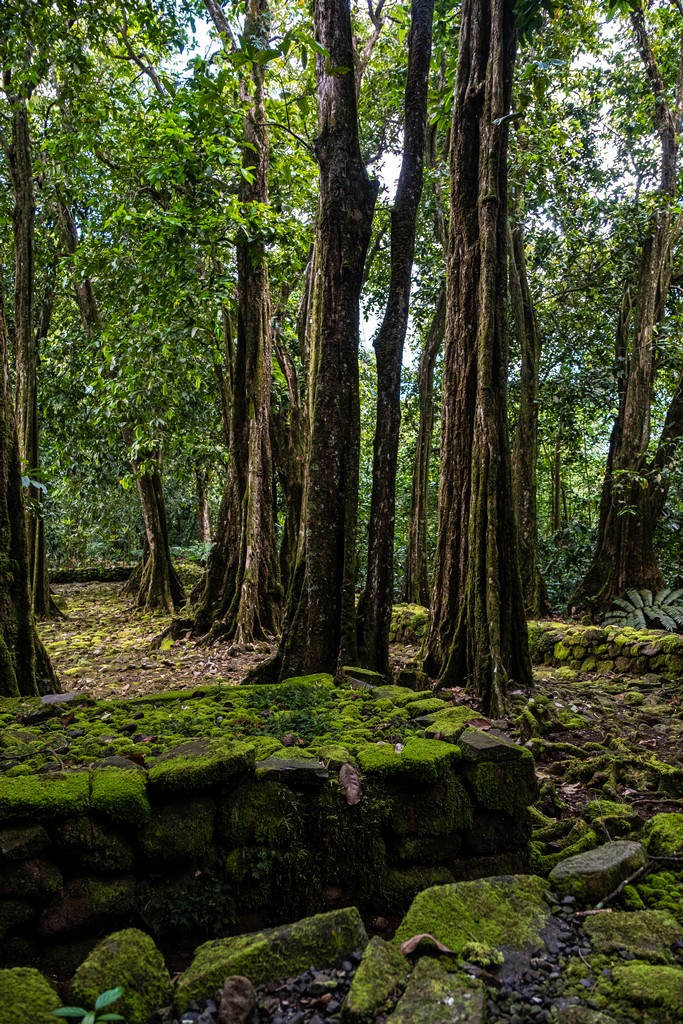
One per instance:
[(376, 600), (201, 475), (25, 668), (242, 598), (631, 499), (525, 450), (416, 574), (319, 633), (158, 584), (478, 632)]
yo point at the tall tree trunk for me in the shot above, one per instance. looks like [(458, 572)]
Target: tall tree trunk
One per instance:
[(416, 574), (157, 584), (525, 450), (478, 632), (25, 667), (374, 607), (242, 598), (624, 557), (290, 435), (27, 340), (320, 629)]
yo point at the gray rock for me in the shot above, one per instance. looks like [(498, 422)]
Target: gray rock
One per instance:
[(482, 746), (238, 1001), (434, 996), (593, 875), (293, 770)]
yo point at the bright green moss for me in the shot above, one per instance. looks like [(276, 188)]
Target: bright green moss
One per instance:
[(33, 797), (200, 763), (646, 934), (121, 794), (642, 987), (316, 679), (449, 723), (421, 760), (663, 835), (508, 786), (427, 706), (26, 997), (131, 960), (398, 695), (381, 972)]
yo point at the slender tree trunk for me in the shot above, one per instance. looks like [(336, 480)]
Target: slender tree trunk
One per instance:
[(158, 585), (290, 434), (630, 503), (27, 341), (25, 667), (416, 574), (242, 596), (201, 476), (478, 630), (374, 607), (320, 629), (525, 450)]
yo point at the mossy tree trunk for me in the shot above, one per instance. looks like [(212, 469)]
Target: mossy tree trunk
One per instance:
[(25, 667), (241, 598), (478, 632), (635, 485), (320, 628), (376, 600), (416, 574), (201, 476)]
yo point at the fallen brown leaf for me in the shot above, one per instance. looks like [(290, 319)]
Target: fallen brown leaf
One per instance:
[(350, 783), (410, 945)]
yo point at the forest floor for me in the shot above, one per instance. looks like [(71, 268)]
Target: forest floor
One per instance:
[(609, 737)]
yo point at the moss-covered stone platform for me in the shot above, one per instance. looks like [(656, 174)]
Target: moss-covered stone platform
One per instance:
[(210, 811), (604, 649)]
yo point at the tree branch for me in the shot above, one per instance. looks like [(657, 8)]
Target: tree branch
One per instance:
[(147, 69), (220, 22)]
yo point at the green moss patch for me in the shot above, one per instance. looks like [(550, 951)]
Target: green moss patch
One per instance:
[(636, 987), (421, 760), (646, 934), (382, 971), (30, 797), (120, 795), (663, 835), (200, 763), (506, 913), (26, 997)]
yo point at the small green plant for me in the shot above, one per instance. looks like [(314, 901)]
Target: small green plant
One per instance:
[(644, 610), (94, 1016)]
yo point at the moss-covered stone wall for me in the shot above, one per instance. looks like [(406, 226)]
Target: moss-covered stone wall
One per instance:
[(208, 840), (602, 649)]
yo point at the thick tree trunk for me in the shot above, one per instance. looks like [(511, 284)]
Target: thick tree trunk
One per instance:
[(25, 667), (478, 630), (319, 632), (631, 502), (374, 606), (525, 450), (290, 438), (416, 578), (242, 598), (158, 585)]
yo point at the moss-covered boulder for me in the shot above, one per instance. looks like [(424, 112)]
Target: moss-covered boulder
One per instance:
[(34, 797), (128, 959), (26, 997), (500, 772), (645, 934), (121, 795), (449, 723), (506, 913), (273, 953), (642, 992), (595, 874), (381, 973), (663, 835), (436, 996)]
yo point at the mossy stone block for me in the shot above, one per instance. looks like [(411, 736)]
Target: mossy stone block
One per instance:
[(428, 850), (14, 913), (120, 795), (413, 679), (595, 874), (128, 959), (500, 784), (435, 810), (20, 843), (261, 812), (94, 843), (88, 903), (420, 760), (381, 973), (315, 679), (426, 706), (449, 723), (400, 885), (507, 913), (663, 835), (33, 797), (492, 832), (200, 763), (26, 997), (31, 878), (435, 995), (179, 829), (646, 934), (273, 953), (365, 675), (398, 695)]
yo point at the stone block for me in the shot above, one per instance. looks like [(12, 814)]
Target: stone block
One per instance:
[(595, 874), (179, 830)]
